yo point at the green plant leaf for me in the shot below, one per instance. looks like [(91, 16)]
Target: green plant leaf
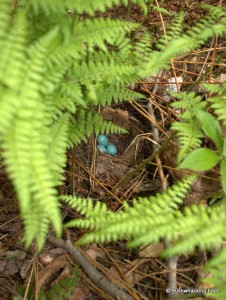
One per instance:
[(223, 174), (200, 160), (224, 148), (211, 127)]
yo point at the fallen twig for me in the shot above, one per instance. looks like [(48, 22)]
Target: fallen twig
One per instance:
[(171, 261), (95, 276)]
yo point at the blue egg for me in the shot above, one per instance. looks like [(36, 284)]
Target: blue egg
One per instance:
[(111, 149), (102, 140), (101, 148)]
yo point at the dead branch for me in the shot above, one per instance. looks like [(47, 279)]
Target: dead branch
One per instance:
[(171, 261), (95, 276)]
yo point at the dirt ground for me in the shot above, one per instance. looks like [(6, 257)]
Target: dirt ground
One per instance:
[(90, 173)]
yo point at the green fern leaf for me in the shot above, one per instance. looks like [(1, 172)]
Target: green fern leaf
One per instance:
[(174, 31), (189, 137), (57, 146), (155, 212), (25, 151), (78, 6), (217, 277), (208, 222), (96, 32), (88, 122), (218, 102), (64, 288)]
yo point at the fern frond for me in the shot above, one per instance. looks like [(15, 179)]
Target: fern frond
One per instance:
[(57, 147), (77, 6), (174, 31), (189, 137), (99, 74), (142, 48), (70, 96), (51, 65), (118, 94), (24, 148), (218, 102), (64, 288), (12, 69), (5, 20), (80, 7), (88, 122), (143, 6), (210, 25), (188, 130), (160, 9), (188, 102), (217, 278), (129, 223), (214, 88), (96, 32), (86, 206), (209, 222)]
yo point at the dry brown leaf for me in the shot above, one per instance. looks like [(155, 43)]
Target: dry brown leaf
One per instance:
[(3, 247), (11, 227), (107, 167), (48, 256), (18, 254), (10, 268), (130, 274), (1, 195), (57, 264), (15, 261), (108, 113), (148, 252), (25, 267), (152, 250), (93, 252), (129, 270), (81, 291), (103, 165), (117, 116)]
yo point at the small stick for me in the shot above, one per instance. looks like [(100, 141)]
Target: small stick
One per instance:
[(95, 276), (206, 59), (172, 261)]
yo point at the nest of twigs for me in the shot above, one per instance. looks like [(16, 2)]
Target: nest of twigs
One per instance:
[(99, 175)]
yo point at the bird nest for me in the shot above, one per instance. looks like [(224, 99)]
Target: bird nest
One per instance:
[(100, 175)]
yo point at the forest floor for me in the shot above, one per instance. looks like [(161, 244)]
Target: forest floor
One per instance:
[(91, 174)]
